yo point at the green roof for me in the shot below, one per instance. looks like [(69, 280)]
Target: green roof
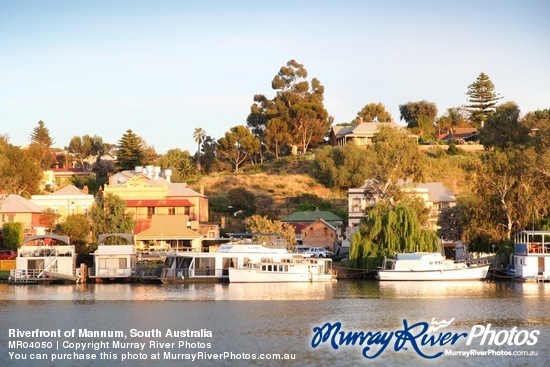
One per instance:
[(311, 216)]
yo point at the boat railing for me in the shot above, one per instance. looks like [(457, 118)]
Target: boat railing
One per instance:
[(109, 272), (19, 275), (168, 273)]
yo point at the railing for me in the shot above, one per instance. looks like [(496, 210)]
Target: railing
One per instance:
[(35, 274), (193, 273), (109, 273)]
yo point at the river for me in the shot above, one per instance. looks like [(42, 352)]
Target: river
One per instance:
[(251, 324)]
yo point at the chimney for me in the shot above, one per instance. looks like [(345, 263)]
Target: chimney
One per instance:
[(156, 172), (168, 175), (85, 190)]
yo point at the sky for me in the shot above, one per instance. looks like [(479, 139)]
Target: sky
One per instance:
[(163, 68)]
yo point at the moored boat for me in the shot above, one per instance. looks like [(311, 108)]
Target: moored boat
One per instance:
[(45, 259), (114, 260), (430, 266), (291, 268), (183, 267), (531, 258)]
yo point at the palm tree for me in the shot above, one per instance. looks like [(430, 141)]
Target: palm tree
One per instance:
[(199, 135)]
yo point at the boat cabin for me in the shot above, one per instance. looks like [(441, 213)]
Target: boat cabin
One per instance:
[(115, 257), (531, 257), (45, 258)]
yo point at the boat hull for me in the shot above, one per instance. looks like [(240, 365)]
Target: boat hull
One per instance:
[(256, 276), (470, 273)]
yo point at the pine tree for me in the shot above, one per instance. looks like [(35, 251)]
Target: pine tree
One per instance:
[(483, 99), (129, 151), (41, 135)]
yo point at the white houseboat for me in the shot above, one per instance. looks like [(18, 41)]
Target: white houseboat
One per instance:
[(45, 258), (183, 267), (291, 268), (430, 266), (531, 258), (115, 258)]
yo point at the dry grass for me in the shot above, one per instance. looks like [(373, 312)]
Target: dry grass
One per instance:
[(265, 184)]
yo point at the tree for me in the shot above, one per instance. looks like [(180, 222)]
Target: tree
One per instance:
[(109, 215), (420, 116), (393, 156), (77, 227), (40, 146), (242, 201), (503, 129), (48, 218), (86, 147), (198, 135), (40, 135), (387, 230), (12, 232), (129, 151), (259, 225), (341, 167), (451, 223), (238, 145), (18, 170), (181, 163), (374, 112), (482, 99), (277, 135), (297, 103)]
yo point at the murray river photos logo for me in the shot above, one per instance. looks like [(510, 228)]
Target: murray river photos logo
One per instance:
[(423, 338)]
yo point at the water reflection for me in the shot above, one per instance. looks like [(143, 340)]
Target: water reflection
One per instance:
[(89, 293)]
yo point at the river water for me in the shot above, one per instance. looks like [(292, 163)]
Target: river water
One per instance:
[(240, 322)]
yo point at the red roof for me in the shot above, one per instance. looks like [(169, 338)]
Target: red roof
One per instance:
[(158, 203)]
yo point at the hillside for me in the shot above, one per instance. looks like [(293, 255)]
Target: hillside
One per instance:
[(278, 186)]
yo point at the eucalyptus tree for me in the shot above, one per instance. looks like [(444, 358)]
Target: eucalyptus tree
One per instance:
[(420, 116), (298, 104), (85, 147), (394, 156), (198, 135), (504, 129), (482, 99), (374, 112), (238, 145)]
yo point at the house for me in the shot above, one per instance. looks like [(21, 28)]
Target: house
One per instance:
[(170, 216), (436, 197), (460, 134), (66, 201), (59, 177), (320, 233), (434, 194), (360, 134), (168, 233), (147, 193), (316, 228), (14, 208), (358, 202)]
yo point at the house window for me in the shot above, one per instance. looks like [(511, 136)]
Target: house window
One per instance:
[(150, 211), (171, 211)]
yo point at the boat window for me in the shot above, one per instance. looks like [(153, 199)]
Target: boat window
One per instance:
[(168, 262)]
